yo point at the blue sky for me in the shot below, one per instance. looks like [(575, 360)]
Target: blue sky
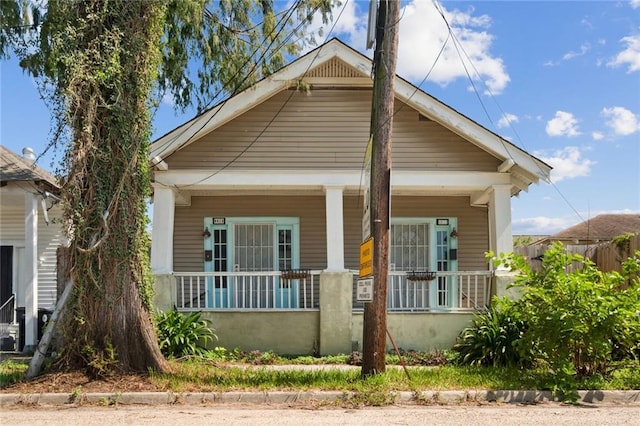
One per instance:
[(560, 79)]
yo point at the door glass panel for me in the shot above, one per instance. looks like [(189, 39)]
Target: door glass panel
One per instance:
[(284, 249), (442, 252), (409, 249), (254, 247), (220, 256)]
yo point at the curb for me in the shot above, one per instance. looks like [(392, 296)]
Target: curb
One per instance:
[(278, 397)]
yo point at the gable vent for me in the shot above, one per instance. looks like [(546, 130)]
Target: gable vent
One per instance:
[(334, 68)]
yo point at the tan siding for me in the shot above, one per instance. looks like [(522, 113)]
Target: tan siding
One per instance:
[(473, 233), (326, 129), (189, 222), (473, 239)]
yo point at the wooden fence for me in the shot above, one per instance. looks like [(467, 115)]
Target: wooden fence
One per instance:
[(607, 256)]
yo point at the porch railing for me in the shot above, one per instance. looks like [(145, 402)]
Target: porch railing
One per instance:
[(247, 290), (8, 311), (7, 315), (447, 291), (406, 292)]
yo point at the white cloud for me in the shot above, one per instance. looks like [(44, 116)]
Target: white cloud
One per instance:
[(622, 121), (597, 136), (630, 56), (167, 99), (583, 51), (349, 20), (563, 124), (635, 4), (567, 163), (541, 225), (507, 120), (353, 21), (422, 35)]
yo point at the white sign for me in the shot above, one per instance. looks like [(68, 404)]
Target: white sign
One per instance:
[(366, 205), (364, 290)]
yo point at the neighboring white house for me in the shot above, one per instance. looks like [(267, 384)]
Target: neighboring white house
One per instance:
[(30, 233), (258, 211)]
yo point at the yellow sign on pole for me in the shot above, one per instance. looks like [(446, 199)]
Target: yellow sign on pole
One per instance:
[(366, 258)]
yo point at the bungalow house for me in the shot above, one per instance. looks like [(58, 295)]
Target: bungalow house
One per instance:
[(258, 207), (30, 234)]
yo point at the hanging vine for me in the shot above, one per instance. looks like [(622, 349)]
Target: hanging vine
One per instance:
[(103, 63), (103, 56)]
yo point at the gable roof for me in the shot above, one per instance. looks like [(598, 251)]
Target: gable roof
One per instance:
[(15, 168), (334, 64), (603, 227)]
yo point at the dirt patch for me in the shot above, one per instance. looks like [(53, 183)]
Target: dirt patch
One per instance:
[(75, 381)]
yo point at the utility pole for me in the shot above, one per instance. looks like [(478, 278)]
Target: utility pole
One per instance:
[(384, 71)]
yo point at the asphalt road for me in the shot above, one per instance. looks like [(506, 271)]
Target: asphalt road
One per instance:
[(476, 415)]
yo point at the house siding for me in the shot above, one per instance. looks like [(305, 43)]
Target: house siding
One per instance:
[(473, 240), (189, 222), (50, 237), (326, 130)]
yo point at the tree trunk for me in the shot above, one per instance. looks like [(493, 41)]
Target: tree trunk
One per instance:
[(111, 59)]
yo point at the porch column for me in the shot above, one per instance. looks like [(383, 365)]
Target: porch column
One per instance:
[(31, 271), (335, 312), (164, 201), (335, 228), (500, 237)]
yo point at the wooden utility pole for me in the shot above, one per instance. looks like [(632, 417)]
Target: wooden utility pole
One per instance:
[(384, 70)]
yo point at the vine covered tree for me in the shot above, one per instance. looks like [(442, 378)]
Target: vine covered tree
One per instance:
[(108, 62)]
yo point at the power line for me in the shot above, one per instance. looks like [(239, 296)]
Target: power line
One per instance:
[(459, 47), (252, 143), (253, 69)]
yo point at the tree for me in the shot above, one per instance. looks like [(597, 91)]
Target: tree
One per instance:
[(108, 61)]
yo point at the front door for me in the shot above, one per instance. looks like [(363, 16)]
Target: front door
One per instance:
[(423, 244), (251, 246), (6, 282)]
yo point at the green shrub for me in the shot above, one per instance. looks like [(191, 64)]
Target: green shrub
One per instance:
[(182, 335), (494, 338), (579, 319)]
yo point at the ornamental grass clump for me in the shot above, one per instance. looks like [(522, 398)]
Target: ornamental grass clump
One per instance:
[(183, 335)]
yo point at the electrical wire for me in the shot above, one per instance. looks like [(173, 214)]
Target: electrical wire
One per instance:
[(168, 144), (252, 143), (459, 47)]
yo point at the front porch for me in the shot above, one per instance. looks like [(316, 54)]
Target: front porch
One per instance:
[(319, 314)]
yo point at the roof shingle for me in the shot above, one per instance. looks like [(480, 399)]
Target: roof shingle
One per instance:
[(15, 168), (603, 227)]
